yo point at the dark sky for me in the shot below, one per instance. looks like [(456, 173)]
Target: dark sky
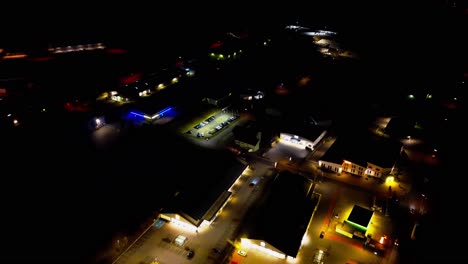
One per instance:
[(37, 21), (419, 28)]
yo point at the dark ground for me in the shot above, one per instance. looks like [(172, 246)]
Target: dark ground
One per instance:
[(58, 193)]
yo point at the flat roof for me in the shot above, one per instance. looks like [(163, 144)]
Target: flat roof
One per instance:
[(199, 196), (246, 133), (310, 133), (282, 219), (362, 149), (173, 96), (361, 216)]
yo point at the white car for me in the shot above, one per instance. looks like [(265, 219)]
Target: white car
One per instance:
[(242, 253)]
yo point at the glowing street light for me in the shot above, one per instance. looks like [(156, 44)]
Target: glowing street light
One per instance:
[(389, 179)]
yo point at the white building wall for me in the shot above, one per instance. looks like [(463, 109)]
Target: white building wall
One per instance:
[(330, 166), (297, 140), (353, 168)]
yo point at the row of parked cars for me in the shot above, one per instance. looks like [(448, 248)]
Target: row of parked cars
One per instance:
[(218, 127), (204, 123), (222, 125)]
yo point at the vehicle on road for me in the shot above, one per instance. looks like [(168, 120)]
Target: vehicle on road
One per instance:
[(242, 253), (254, 181), (190, 254)]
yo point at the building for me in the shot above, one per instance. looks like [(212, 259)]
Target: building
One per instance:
[(247, 136), (357, 223), (162, 106), (362, 156), (217, 93), (219, 99), (227, 50), (277, 228), (303, 142), (199, 202), (138, 86)]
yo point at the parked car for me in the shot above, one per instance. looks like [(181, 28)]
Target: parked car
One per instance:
[(322, 234)]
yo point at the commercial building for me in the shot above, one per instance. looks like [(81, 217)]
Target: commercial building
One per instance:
[(362, 156), (225, 51), (200, 201), (309, 141), (247, 136), (357, 223), (278, 226), (139, 86)]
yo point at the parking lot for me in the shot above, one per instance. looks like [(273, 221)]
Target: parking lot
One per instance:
[(212, 125), (161, 244)]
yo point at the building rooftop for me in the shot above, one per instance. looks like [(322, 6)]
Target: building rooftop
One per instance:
[(361, 216), (199, 194), (284, 216), (362, 149), (246, 133)]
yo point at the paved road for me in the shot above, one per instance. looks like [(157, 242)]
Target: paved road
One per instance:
[(216, 236), (336, 197)]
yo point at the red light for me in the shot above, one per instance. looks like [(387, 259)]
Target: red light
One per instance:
[(39, 59), (116, 51), (78, 106), (131, 78), (216, 45)]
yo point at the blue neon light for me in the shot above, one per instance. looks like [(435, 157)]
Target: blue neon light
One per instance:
[(165, 110), (137, 114), (135, 117)]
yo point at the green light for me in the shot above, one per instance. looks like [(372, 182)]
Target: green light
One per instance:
[(358, 226), (212, 54)]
